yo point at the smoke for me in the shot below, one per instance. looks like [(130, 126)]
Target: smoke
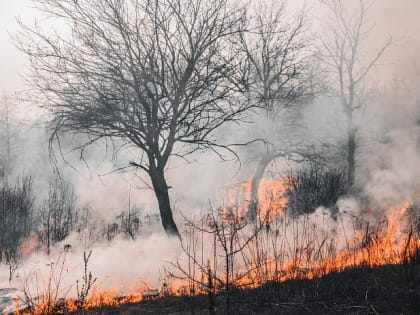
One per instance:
[(391, 163), (118, 265)]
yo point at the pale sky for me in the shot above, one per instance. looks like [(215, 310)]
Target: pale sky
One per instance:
[(399, 19), (11, 60)]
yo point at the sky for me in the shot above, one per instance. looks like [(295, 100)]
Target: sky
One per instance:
[(11, 60), (398, 19)]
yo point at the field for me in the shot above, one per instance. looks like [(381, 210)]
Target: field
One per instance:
[(379, 290)]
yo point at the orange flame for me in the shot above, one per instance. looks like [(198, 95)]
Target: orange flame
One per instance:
[(394, 241), (390, 244), (271, 199)]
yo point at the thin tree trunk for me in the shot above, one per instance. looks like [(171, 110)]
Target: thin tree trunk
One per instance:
[(8, 160), (161, 190), (351, 147), (351, 151), (255, 185), (227, 285)]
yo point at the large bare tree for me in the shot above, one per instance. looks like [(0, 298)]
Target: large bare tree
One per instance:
[(348, 66), (278, 77), (156, 74)]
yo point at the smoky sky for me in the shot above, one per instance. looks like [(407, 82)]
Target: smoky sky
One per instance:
[(398, 19), (390, 18), (11, 60)]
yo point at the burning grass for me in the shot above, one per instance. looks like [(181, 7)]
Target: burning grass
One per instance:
[(361, 290), (226, 257)]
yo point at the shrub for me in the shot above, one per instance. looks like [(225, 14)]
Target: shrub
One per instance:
[(313, 186), (16, 214)]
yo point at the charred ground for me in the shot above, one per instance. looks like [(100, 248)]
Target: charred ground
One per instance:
[(390, 289)]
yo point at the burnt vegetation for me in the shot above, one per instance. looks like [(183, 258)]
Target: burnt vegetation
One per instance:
[(378, 290), (258, 284)]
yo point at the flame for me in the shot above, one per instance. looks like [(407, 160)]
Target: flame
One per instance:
[(304, 250), (100, 298), (271, 199), (28, 246), (390, 244)]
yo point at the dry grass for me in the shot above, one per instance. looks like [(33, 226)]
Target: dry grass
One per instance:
[(362, 290)]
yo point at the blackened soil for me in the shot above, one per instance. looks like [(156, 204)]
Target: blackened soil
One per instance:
[(392, 289)]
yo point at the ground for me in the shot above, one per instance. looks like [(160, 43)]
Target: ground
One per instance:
[(391, 289)]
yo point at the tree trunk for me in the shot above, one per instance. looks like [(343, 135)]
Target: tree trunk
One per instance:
[(255, 185), (161, 190), (351, 151), (351, 147)]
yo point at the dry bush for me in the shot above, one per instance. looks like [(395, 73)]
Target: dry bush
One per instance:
[(313, 186), (86, 283)]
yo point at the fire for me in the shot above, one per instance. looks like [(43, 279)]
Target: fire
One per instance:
[(271, 199), (97, 298), (389, 244), (100, 298), (285, 248)]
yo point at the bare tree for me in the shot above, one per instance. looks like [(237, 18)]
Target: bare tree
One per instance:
[(278, 77), (342, 53), (16, 213), (154, 74), (57, 215), (5, 161)]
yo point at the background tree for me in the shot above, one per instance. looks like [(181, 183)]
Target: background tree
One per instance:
[(343, 55), (57, 216), (154, 74), (278, 79), (5, 157), (16, 213)]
